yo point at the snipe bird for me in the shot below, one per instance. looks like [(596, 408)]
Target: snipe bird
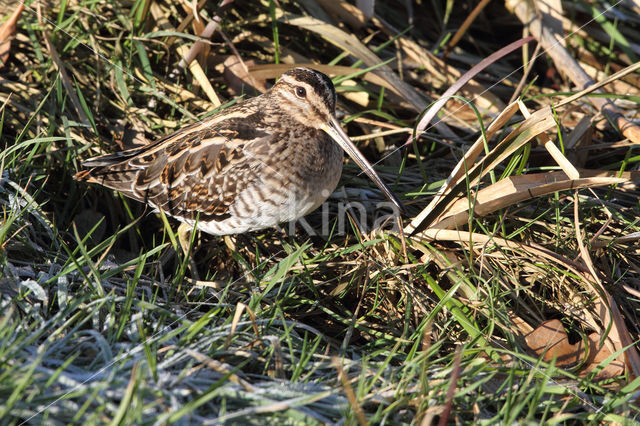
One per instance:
[(270, 159)]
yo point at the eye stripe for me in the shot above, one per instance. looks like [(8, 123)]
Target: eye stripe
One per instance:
[(313, 81), (317, 81)]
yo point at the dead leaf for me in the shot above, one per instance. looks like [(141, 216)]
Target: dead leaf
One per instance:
[(551, 341), (7, 31), (597, 354)]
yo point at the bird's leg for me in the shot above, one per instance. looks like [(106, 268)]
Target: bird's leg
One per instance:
[(184, 239)]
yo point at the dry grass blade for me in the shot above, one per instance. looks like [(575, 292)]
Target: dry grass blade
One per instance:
[(440, 73), (348, 389), (206, 33), (592, 88), (367, 7), (607, 320), (351, 44), (431, 113), (465, 25), (464, 237), (525, 11), (100, 320), (470, 157), (553, 150), (4, 104), (201, 77), (345, 12), (188, 55), (180, 94), (270, 71), (540, 121), (7, 31), (453, 382), (234, 323), (607, 307), (514, 189)]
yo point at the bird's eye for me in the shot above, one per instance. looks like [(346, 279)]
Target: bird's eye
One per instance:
[(301, 92)]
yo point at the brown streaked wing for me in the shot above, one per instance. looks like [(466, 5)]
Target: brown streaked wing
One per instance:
[(199, 169), (204, 181), (208, 127), (204, 176)]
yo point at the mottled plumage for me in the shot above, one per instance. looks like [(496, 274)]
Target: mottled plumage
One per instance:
[(270, 159)]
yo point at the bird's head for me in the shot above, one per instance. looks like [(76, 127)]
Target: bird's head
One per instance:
[(306, 95), (309, 97)]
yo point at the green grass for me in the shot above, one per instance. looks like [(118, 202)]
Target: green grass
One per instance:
[(100, 321)]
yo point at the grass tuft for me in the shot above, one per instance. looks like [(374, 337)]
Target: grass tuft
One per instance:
[(103, 320)]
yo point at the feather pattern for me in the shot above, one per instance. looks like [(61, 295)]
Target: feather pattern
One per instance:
[(251, 166)]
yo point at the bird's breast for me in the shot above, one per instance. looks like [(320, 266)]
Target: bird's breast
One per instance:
[(316, 166)]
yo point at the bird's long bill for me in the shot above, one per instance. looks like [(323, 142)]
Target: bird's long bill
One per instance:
[(337, 134)]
